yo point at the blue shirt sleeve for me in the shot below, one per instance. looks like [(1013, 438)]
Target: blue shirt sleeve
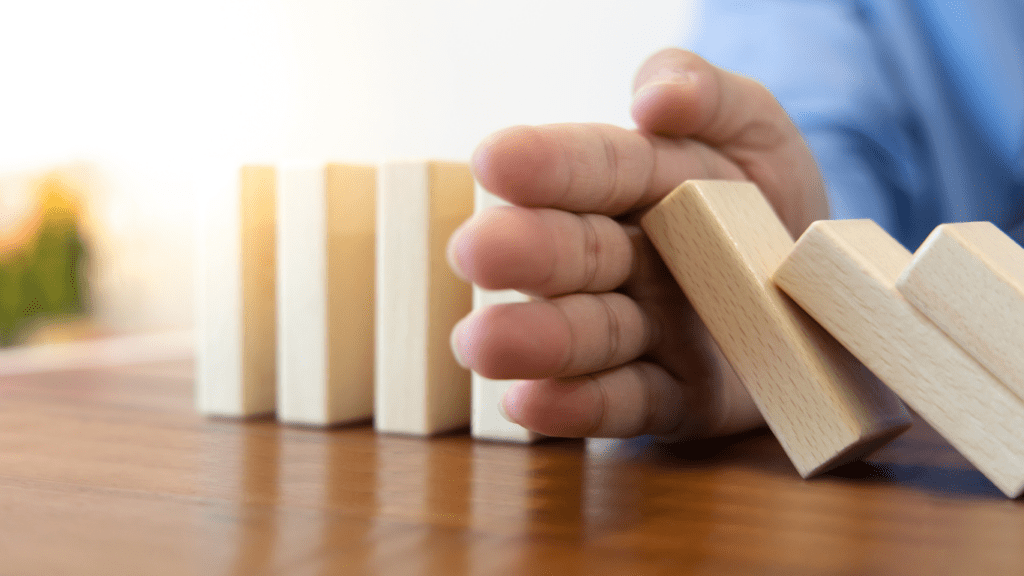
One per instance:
[(820, 61)]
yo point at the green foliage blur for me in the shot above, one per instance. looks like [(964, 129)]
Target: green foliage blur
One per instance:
[(43, 277)]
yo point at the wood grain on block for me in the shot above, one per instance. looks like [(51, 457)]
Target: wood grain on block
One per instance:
[(722, 241), (969, 279), (237, 333), (486, 422), (326, 228), (844, 274), (420, 389)]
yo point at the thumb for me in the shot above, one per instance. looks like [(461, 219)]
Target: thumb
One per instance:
[(678, 94)]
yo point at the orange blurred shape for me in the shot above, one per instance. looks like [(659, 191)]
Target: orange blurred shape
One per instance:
[(56, 202)]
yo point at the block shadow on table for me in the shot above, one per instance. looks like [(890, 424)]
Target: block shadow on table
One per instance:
[(918, 460), (921, 459)]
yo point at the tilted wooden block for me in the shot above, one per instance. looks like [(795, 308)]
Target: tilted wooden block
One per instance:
[(235, 365), (326, 278), (844, 274), (722, 241), (969, 279), (420, 389), (486, 422)]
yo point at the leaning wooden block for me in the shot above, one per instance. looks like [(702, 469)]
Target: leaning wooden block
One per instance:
[(486, 422), (969, 279), (420, 389), (236, 323), (844, 274), (326, 275), (722, 241)]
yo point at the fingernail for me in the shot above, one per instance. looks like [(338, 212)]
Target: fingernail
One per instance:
[(510, 402), (453, 253), (670, 76), (666, 78), (501, 410), (455, 342)]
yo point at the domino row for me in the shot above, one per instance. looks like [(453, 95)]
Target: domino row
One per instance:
[(324, 296), (942, 328)]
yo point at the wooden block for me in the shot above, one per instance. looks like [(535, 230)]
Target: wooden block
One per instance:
[(722, 241), (326, 276), (420, 389), (844, 274), (236, 324), (969, 279), (486, 422)]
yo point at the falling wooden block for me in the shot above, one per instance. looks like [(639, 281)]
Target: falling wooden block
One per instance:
[(969, 279), (420, 389), (487, 422), (722, 241), (844, 274), (326, 223), (236, 316)]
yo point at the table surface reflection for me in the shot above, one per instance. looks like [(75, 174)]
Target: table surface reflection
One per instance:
[(110, 471)]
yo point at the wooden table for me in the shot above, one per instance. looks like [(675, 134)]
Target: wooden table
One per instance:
[(111, 472)]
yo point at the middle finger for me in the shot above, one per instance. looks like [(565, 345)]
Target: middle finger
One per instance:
[(542, 251)]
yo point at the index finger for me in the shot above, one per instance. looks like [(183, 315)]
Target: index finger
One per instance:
[(595, 168)]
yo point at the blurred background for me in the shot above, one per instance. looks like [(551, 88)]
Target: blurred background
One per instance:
[(115, 113)]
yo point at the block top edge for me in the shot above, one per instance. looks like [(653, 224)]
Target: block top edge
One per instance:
[(1005, 258), (865, 243)]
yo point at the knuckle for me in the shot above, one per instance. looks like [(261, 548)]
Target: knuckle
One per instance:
[(592, 249), (614, 325)]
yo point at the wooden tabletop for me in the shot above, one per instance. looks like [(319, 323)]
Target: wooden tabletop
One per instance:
[(110, 471)]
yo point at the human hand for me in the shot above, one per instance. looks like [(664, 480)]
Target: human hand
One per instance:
[(610, 347)]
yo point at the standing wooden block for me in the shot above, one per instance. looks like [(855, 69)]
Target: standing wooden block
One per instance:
[(486, 422), (326, 277), (722, 241), (236, 323), (969, 279), (844, 274), (420, 389)]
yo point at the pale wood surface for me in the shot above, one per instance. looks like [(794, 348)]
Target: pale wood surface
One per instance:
[(326, 226), (486, 422), (969, 279), (351, 225), (451, 298), (302, 378), (419, 389), (259, 291), (403, 252), (236, 296), (722, 241), (844, 274), (112, 472)]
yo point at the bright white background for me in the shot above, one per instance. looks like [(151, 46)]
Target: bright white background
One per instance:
[(150, 97)]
